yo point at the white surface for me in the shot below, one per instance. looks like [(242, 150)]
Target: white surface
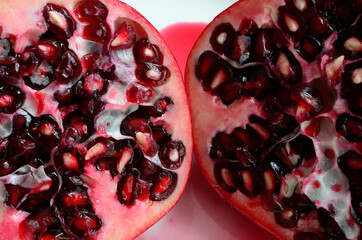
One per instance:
[(162, 13)]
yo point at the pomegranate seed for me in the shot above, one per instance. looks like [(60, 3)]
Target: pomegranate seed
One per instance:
[(6, 100), (162, 185), (91, 11), (247, 180), (93, 83), (319, 27), (139, 93), (269, 179), (126, 156), (70, 161), (95, 151), (357, 76), (353, 44), (75, 199), (152, 74), (125, 37), (144, 51), (97, 32), (292, 24), (301, 5), (127, 187), (58, 20), (333, 70), (354, 163), (84, 223), (247, 26), (47, 129), (68, 68)]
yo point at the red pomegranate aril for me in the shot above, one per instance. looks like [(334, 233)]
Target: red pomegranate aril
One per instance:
[(42, 76), (262, 44), (222, 38), (99, 148), (165, 183), (15, 194), (58, 20), (75, 199), (92, 61), (50, 49), (349, 127), (97, 32), (70, 161), (93, 83), (171, 154), (309, 48), (152, 74), (12, 93), (144, 51), (247, 26), (127, 187), (125, 36), (139, 93), (68, 68), (91, 11), (6, 100), (28, 62)]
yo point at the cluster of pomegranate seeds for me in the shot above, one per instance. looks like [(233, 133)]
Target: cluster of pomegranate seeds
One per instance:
[(283, 126), (69, 111)]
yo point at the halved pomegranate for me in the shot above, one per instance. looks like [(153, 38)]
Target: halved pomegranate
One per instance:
[(275, 90), (95, 135)]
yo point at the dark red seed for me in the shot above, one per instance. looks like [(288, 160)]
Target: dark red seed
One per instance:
[(15, 194), (139, 93), (172, 154), (46, 131), (125, 37), (28, 62), (65, 97), (225, 176), (319, 27), (144, 51), (287, 217), (41, 77), (100, 148), (7, 167), (82, 125), (11, 98), (91, 11), (92, 61), (349, 127), (50, 49), (127, 187), (152, 74), (58, 20), (247, 26), (309, 48), (68, 68), (97, 32), (222, 38), (262, 45), (164, 183)]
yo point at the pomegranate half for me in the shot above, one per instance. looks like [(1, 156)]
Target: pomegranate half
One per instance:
[(95, 135), (275, 90)]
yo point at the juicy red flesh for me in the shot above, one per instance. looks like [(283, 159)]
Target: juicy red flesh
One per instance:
[(60, 139), (264, 64)]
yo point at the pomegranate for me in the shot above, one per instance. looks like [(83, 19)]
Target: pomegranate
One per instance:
[(275, 97), (95, 134)]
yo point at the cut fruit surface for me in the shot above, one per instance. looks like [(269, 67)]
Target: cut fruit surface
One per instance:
[(95, 133), (275, 97)]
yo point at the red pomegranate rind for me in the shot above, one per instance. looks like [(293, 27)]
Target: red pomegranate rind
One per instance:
[(275, 97), (74, 164)]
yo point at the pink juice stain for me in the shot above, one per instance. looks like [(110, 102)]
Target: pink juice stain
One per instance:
[(201, 213)]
